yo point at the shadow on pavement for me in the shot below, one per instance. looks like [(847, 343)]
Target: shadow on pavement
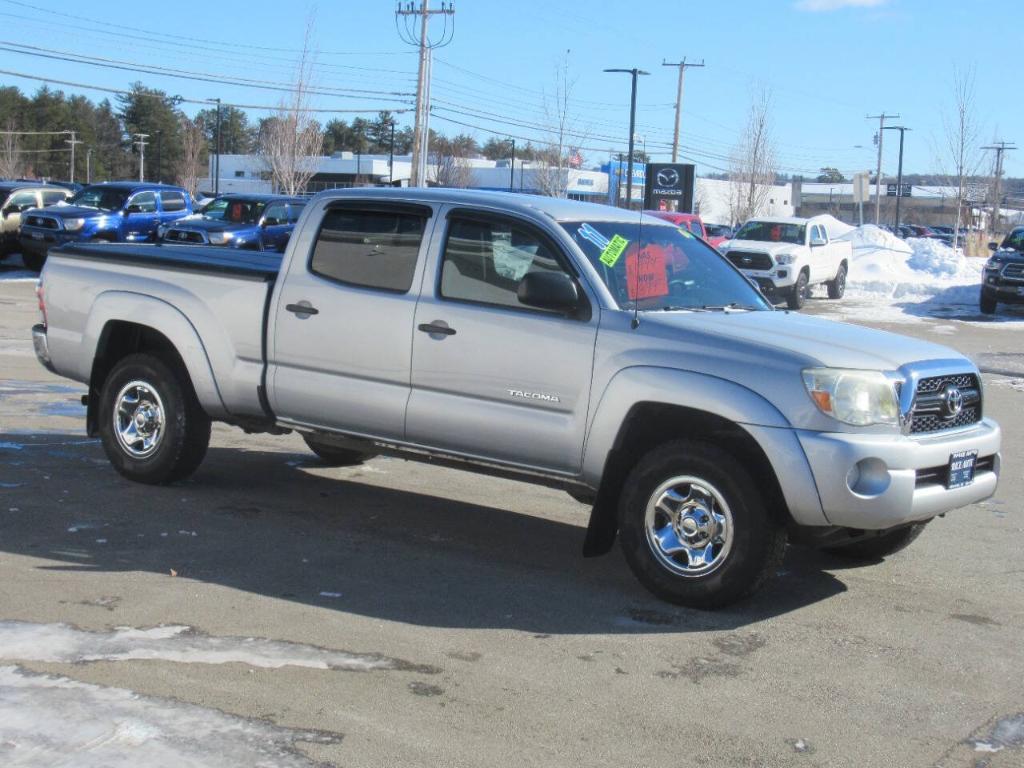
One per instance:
[(269, 523)]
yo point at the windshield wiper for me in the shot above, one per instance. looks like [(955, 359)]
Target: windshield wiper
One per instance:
[(727, 307)]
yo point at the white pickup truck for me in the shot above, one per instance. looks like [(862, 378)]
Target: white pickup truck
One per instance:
[(786, 256)]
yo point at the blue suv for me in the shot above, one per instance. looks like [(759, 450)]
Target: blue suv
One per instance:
[(115, 212), (251, 222)]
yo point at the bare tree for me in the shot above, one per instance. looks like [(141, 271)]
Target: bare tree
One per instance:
[(10, 152), (962, 132), (556, 155), (193, 147), (291, 141), (752, 166), (450, 170)]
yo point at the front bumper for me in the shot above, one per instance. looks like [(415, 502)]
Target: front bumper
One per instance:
[(881, 481), (42, 346), (1004, 292), (39, 241)]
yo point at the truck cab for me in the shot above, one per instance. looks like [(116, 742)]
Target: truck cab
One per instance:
[(249, 222), (114, 212), (18, 197)]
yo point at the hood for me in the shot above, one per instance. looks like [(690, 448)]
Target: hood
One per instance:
[(800, 340), (760, 246), (71, 212), (1008, 254), (202, 224)]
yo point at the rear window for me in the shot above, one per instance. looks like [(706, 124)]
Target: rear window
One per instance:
[(370, 249), (172, 201)]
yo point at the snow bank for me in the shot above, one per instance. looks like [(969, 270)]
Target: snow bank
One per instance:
[(870, 236)]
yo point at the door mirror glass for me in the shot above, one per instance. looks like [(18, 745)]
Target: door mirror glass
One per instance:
[(556, 291), (993, 246)]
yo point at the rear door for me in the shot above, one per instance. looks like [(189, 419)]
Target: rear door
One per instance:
[(342, 332), (142, 216), (492, 378), (173, 205), (274, 227)]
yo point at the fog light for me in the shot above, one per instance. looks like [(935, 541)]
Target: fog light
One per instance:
[(868, 477), (782, 273)]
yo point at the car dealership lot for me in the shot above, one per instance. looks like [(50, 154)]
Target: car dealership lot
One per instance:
[(409, 615)]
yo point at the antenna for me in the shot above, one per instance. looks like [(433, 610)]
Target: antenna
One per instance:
[(636, 287)]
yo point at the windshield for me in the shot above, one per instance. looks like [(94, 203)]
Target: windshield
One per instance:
[(668, 268), (104, 198), (1014, 240), (234, 210), (772, 232)]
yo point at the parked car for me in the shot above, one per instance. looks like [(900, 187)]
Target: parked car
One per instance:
[(916, 230), (564, 343), (251, 222), (117, 212), (786, 256), (718, 234), (16, 197), (1003, 278), (942, 230), (688, 221)]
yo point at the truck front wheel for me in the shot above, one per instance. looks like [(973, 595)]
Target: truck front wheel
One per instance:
[(694, 527), (152, 427), (798, 293), (33, 261)]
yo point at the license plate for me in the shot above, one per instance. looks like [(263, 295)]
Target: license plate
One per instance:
[(37, 235), (961, 469)]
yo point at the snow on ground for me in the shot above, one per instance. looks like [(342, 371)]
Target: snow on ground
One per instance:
[(52, 720)]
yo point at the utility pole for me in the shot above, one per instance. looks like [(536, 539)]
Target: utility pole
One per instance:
[(999, 147), (878, 174), (679, 100), (141, 144), (512, 171), (405, 12), (634, 72), (159, 156), (391, 157), (899, 174), (88, 165), (73, 141)]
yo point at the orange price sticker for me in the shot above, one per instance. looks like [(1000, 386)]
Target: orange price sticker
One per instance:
[(646, 275)]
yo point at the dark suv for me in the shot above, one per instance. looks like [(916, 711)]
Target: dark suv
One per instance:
[(1003, 278)]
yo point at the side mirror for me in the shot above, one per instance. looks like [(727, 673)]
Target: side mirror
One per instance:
[(270, 221), (993, 246), (549, 290), (11, 209), (817, 242)]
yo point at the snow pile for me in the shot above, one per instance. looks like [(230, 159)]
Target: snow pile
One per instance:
[(937, 258), (870, 236)]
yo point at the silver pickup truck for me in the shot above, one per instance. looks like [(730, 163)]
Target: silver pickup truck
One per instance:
[(570, 344)]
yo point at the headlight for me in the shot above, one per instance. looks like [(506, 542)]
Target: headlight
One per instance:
[(993, 264), (785, 258), (219, 238), (73, 225), (860, 398)]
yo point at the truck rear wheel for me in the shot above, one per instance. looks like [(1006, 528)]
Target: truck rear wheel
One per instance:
[(694, 528), (880, 546), (333, 456), (837, 286), (152, 427), (798, 293)]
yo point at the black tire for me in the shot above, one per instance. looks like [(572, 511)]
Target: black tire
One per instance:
[(185, 433), (333, 456), (797, 296), (877, 547), (33, 261), (987, 304), (837, 286), (758, 538)]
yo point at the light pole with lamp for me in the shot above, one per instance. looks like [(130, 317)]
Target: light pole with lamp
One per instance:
[(634, 72)]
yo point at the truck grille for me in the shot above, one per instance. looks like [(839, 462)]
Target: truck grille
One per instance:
[(43, 222), (750, 259), (1013, 271), (932, 411), (183, 236)]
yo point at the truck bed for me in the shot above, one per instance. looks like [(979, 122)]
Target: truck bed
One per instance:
[(194, 258)]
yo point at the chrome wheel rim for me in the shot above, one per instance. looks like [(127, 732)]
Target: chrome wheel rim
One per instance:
[(138, 419), (689, 526)]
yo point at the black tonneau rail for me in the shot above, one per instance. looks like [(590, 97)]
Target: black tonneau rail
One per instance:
[(255, 265)]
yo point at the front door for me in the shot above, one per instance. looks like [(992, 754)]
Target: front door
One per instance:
[(491, 377), (343, 322)]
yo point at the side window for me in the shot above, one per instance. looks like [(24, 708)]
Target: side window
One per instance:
[(294, 211), (23, 200), (484, 261), (144, 202), (172, 201), (372, 249), (276, 213), (696, 228), (51, 196)]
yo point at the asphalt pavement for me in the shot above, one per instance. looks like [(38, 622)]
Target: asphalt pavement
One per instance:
[(272, 611)]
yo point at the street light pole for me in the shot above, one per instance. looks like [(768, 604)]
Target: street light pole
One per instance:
[(512, 167), (159, 156), (634, 72), (899, 174)]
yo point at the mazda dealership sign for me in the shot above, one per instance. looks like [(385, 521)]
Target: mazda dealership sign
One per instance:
[(669, 181)]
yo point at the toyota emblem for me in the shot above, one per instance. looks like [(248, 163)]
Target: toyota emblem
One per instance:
[(953, 399), (668, 177)]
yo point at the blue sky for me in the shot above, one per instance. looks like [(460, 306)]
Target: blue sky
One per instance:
[(828, 63)]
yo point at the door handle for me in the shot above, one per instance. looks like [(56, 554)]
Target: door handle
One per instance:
[(436, 327), (302, 308)]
